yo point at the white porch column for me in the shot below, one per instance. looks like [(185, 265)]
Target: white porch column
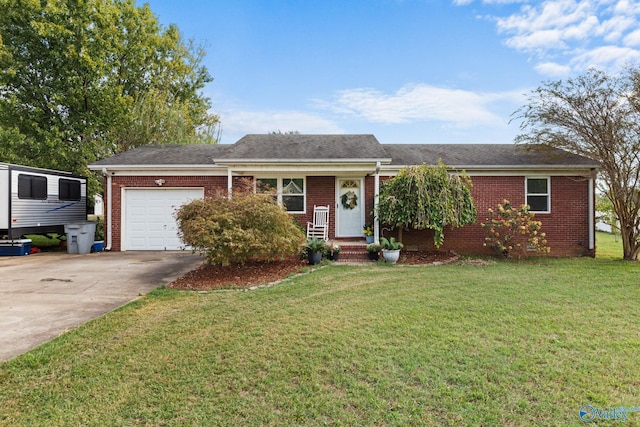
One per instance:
[(376, 195), (592, 238), (229, 183), (109, 195)]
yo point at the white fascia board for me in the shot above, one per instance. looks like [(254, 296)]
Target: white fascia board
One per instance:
[(304, 169), (137, 167), (239, 170), (147, 170), (556, 170)]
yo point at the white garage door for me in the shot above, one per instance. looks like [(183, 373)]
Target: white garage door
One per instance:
[(149, 222)]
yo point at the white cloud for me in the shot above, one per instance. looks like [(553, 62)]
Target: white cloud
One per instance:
[(626, 7), (553, 69), (632, 39), (533, 41), (606, 57), (421, 103), (565, 36), (613, 29), (549, 25)]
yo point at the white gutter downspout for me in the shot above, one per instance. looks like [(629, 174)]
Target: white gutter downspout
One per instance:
[(376, 195), (591, 216), (109, 216)]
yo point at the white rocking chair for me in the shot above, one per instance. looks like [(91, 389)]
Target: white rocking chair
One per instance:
[(320, 226)]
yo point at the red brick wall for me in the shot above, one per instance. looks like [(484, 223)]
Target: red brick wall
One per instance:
[(369, 188), (566, 227), (321, 190), (210, 184)]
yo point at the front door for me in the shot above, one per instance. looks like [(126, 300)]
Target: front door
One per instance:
[(350, 209)]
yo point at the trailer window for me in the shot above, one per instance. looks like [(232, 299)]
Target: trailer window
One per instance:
[(68, 189), (32, 187)]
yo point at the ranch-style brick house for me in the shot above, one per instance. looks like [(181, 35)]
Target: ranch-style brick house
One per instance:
[(145, 185)]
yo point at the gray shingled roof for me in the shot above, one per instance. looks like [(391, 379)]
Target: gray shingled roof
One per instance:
[(297, 147), (306, 147), (463, 155), (170, 154)]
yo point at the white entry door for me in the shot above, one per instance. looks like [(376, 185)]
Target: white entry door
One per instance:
[(350, 210), (149, 222)]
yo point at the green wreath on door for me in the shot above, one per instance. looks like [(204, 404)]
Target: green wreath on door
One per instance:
[(349, 200)]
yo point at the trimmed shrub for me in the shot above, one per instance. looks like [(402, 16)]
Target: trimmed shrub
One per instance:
[(245, 227)]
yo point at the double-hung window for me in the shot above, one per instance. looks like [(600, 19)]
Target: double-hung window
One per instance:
[(538, 194), (289, 191)]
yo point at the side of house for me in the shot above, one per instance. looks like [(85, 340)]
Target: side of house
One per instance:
[(144, 186)]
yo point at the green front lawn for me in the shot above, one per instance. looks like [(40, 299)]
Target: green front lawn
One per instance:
[(507, 343), (608, 246)]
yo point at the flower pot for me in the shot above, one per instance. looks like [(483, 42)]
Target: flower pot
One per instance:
[(369, 239), (315, 257), (374, 256), (391, 256), (333, 256)]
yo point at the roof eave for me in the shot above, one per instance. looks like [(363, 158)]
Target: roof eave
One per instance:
[(508, 167), (154, 166), (301, 161)]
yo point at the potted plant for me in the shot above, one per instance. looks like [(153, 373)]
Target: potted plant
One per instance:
[(391, 249), (367, 230), (315, 249), (333, 251), (373, 250)]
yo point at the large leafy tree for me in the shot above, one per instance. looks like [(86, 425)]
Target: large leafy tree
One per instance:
[(596, 115), (84, 79), (426, 197)]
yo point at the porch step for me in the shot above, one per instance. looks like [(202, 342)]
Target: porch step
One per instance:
[(352, 250)]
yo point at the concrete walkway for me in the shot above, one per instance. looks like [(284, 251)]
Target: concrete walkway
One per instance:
[(43, 295)]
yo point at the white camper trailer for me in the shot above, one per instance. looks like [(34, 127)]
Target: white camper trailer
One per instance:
[(38, 201)]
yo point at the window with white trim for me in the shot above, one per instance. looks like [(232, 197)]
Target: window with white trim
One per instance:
[(538, 194), (290, 192)]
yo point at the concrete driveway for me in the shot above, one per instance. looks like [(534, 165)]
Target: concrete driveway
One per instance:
[(43, 295)]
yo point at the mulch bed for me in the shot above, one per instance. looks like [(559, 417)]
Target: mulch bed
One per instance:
[(242, 276), (238, 276)]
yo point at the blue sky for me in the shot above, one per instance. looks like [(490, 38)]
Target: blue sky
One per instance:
[(407, 71)]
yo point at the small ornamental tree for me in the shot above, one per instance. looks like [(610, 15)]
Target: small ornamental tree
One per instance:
[(513, 232), (245, 227), (426, 197)]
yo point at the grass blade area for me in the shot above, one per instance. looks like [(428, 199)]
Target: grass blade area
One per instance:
[(524, 343)]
